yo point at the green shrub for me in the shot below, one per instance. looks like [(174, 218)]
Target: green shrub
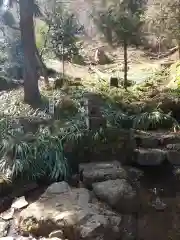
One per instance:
[(64, 29), (41, 33), (32, 157)]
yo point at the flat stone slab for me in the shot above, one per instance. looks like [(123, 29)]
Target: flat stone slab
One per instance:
[(153, 139), (171, 138), (149, 157), (101, 171)]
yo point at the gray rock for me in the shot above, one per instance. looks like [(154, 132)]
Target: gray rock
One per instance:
[(68, 208), (171, 138), (173, 153), (101, 171), (57, 188), (4, 227), (148, 142), (173, 157), (173, 146), (118, 194), (19, 203), (149, 157), (134, 173)]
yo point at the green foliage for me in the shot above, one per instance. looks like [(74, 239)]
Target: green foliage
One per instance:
[(151, 120), (177, 73), (31, 156), (63, 33), (120, 21), (162, 21), (41, 32), (55, 151), (154, 120), (124, 21), (154, 81)]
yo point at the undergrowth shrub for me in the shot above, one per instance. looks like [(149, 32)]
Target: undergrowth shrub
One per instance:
[(32, 157), (152, 120), (56, 154), (55, 151)]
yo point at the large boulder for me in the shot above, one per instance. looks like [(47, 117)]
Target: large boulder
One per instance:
[(100, 57), (72, 211), (119, 194)]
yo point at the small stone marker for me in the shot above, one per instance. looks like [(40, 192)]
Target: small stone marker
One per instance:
[(114, 82)]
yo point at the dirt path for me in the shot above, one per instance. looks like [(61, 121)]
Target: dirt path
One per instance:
[(140, 67), (71, 70)]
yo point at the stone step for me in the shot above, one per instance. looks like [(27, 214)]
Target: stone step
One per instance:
[(149, 157), (103, 171), (173, 153), (156, 156), (155, 139)]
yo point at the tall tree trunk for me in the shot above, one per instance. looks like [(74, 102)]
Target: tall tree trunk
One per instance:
[(31, 89), (125, 63)]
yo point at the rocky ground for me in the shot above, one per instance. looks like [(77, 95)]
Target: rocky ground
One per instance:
[(112, 201)]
